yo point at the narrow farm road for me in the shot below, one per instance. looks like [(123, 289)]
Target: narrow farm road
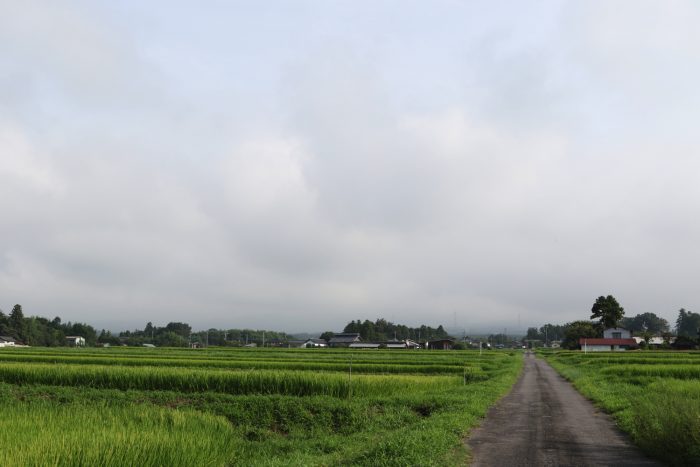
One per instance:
[(544, 421)]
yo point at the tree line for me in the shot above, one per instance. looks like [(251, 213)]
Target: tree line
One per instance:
[(35, 330), (178, 334), (383, 330), (607, 313)]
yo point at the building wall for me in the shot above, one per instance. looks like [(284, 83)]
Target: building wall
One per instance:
[(603, 348), (624, 333)]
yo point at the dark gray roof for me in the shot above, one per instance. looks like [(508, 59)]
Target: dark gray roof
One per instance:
[(345, 338), (7, 339)]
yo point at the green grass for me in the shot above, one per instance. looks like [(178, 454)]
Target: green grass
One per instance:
[(653, 396)]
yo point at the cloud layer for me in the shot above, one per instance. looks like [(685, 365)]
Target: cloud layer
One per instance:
[(301, 166)]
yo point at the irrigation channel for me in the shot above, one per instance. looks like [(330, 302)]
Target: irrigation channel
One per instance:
[(544, 421)]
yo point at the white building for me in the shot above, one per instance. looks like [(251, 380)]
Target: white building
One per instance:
[(6, 341), (75, 341)]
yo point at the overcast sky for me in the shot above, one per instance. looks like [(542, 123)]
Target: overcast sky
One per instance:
[(294, 165)]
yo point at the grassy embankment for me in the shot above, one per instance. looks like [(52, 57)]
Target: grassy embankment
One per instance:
[(653, 396), (244, 407)]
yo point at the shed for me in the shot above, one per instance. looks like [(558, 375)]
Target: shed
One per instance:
[(396, 345), (364, 345), (75, 341), (311, 343), (440, 344)]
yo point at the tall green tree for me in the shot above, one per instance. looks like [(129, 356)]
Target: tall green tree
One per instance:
[(688, 323), (645, 322), (607, 311), (17, 323), (328, 335), (577, 330)]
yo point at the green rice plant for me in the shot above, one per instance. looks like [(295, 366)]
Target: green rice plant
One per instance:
[(295, 415), (670, 370), (335, 366), (666, 421), (231, 382), (84, 435)]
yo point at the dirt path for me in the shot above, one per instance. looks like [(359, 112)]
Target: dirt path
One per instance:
[(545, 422)]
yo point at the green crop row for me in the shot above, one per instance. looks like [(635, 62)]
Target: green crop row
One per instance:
[(670, 370), (230, 382), (337, 366), (315, 355)]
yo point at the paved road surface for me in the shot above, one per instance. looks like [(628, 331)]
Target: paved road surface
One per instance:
[(545, 422)]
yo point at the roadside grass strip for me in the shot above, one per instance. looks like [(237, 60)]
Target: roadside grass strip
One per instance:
[(653, 396)]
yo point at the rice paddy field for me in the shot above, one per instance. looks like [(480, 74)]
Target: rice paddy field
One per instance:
[(653, 396), (136, 406)]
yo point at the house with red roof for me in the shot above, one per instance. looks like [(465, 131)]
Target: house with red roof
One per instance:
[(613, 340)]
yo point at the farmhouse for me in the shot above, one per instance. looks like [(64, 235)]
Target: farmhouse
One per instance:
[(606, 345), (344, 339), (399, 344), (7, 341), (311, 343), (614, 340), (440, 344), (75, 341)]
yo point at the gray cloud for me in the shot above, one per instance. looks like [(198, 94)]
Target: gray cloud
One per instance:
[(503, 167)]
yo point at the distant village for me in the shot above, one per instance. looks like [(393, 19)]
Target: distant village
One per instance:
[(607, 330)]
